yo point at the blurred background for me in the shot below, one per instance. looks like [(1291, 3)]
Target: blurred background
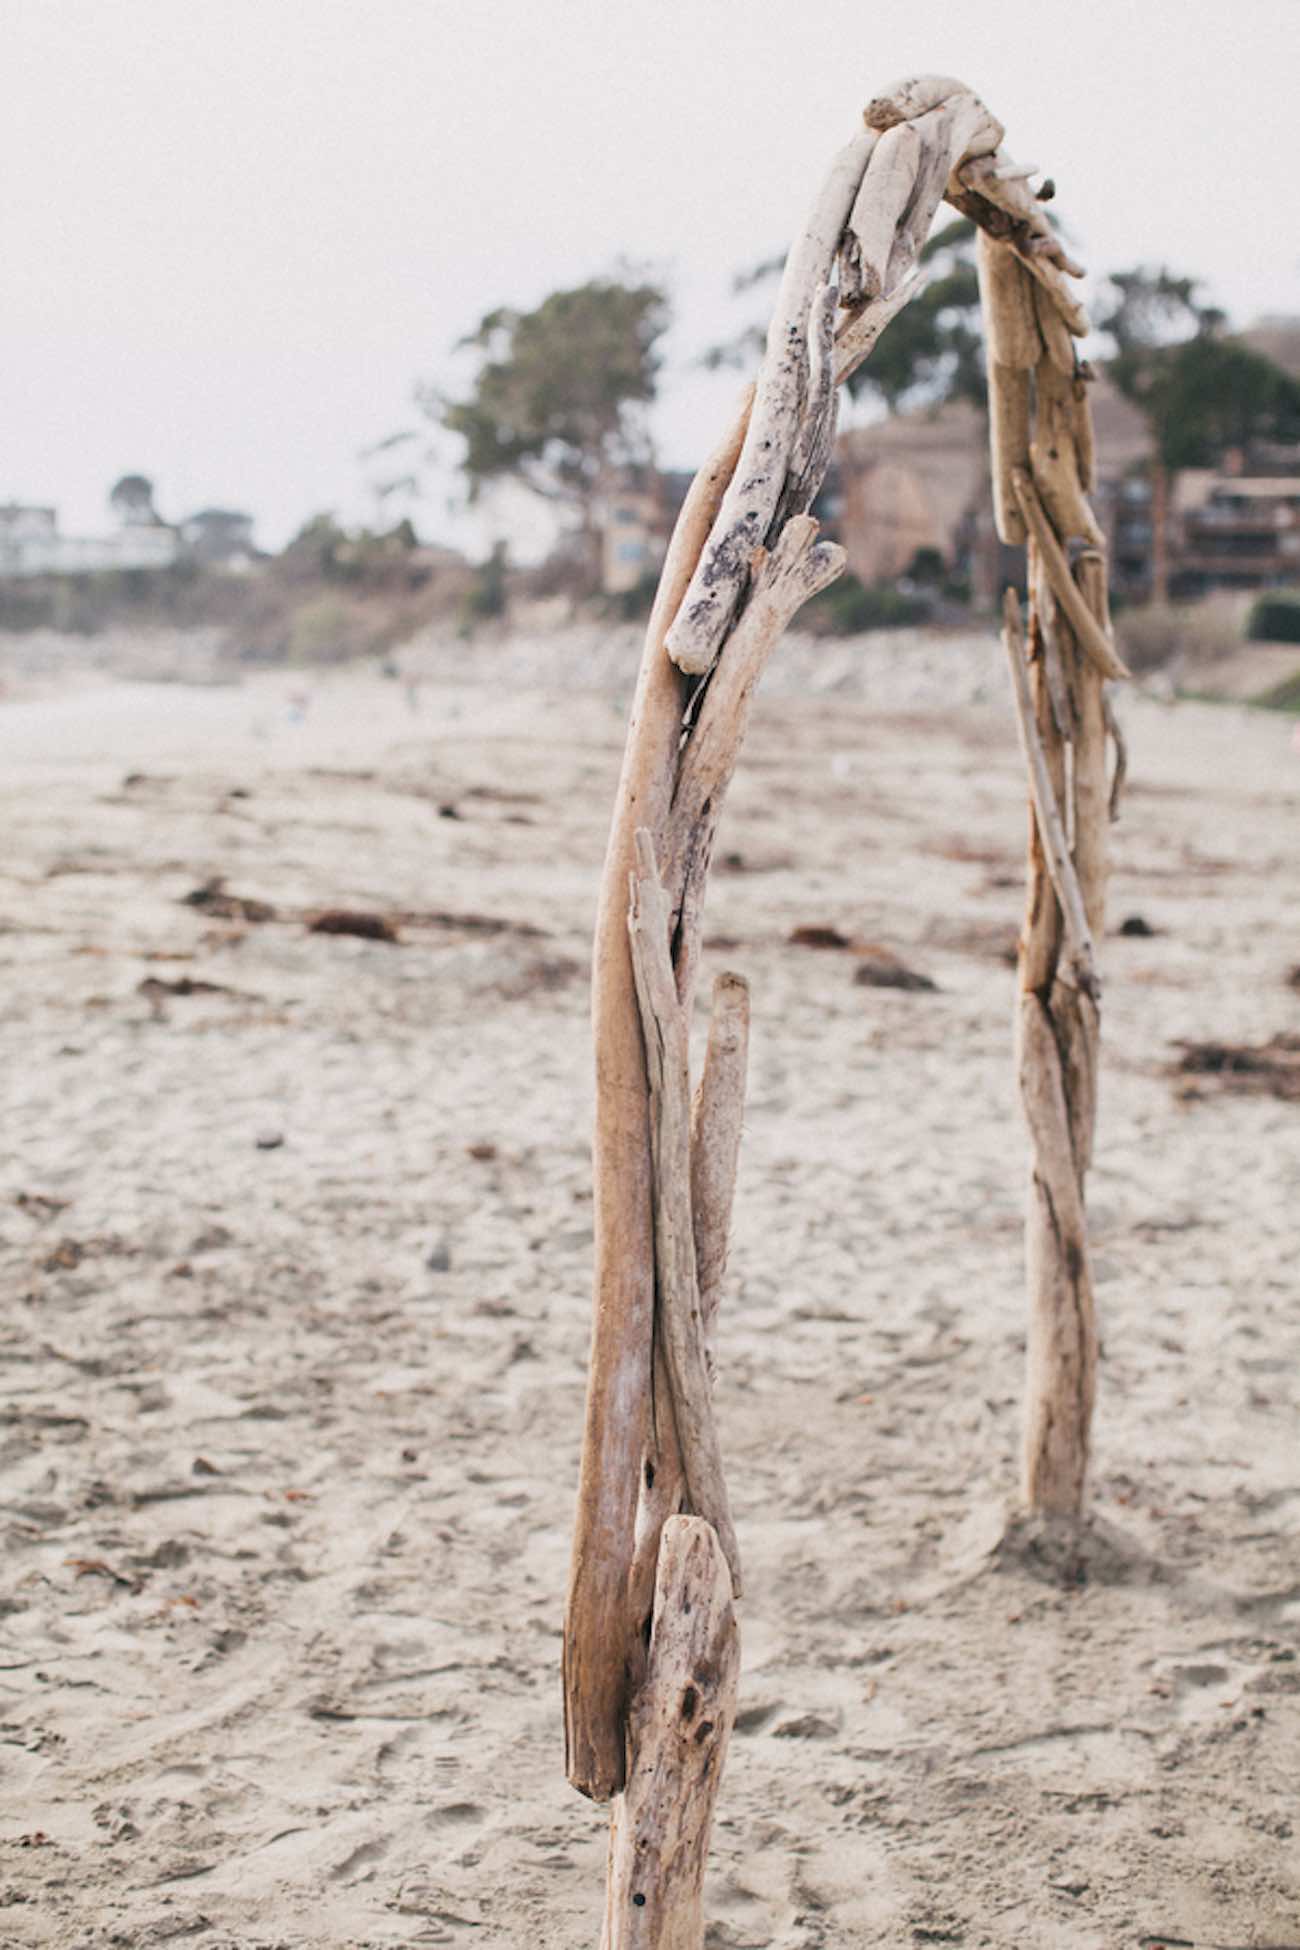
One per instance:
[(320, 328)]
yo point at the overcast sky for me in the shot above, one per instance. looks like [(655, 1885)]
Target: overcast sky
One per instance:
[(234, 235)]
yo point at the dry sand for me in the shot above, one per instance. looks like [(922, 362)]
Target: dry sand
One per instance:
[(296, 1309)]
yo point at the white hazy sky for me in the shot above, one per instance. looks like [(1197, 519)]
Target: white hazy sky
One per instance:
[(233, 235)]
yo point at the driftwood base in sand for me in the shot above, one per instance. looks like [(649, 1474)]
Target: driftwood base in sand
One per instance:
[(678, 1731)]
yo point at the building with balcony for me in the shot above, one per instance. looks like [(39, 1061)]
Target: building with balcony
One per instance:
[(1236, 531)]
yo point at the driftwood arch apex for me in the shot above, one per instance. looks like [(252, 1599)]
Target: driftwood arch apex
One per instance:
[(743, 558)]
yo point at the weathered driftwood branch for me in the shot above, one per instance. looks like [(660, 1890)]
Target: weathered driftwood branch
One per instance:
[(797, 568), (872, 215), (1001, 203), (881, 201), (602, 1627), (1010, 394), (1062, 1339), (1058, 683), (678, 1319), (744, 519), (1051, 828), (1011, 334), (1093, 638), (681, 1721), (717, 1118), (1115, 798), (946, 133), (916, 95), (1054, 460), (855, 337)]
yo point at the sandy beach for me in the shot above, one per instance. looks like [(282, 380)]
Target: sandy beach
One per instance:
[(295, 1237)]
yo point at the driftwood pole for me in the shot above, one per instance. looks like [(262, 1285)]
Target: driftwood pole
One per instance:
[(1041, 436), (650, 1638)]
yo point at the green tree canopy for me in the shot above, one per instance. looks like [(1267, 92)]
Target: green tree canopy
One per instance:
[(560, 392), (1200, 390)]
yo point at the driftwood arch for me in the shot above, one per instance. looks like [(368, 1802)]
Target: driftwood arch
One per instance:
[(650, 1646)]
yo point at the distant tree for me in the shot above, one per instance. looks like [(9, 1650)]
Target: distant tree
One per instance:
[(324, 551), (1200, 390), (559, 398), (131, 500), (487, 596), (316, 549)]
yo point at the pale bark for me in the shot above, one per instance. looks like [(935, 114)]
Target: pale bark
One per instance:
[(717, 1118), (876, 220), (881, 201), (1053, 458), (946, 133), (1062, 1328), (680, 1726), (1051, 827), (1058, 339), (798, 567), (1053, 634), (1000, 201), (1011, 332), (1120, 773), (816, 435), (1093, 639), (1057, 1041), (1010, 392), (743, 521), (1041, 935), (860, 330), (1003, 184), (1058, 682), (854, 289), (1084, 441), (916, 95), (677, 1313), (1051, 280), (1091, 793), (602, 1628)]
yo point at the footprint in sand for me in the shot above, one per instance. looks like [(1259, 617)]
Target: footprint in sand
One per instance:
[(456, 1814), (361, 1858)]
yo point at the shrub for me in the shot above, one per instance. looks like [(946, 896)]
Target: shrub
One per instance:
[(1281, 697), (849, 607), (327, 630), (1159, 634), (1275, 617), (487, 596)]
